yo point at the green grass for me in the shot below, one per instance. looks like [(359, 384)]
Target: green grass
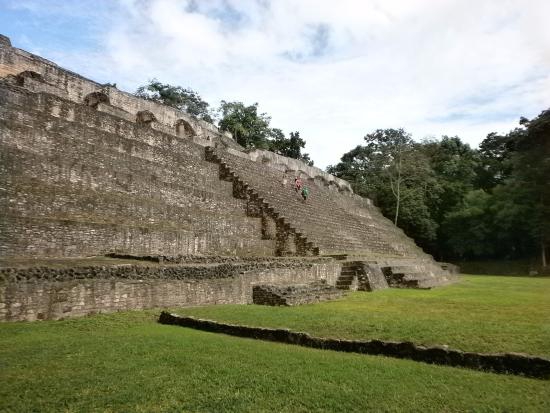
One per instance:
[(481, 313), (127, 362)]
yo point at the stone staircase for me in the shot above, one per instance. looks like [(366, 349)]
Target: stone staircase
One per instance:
[(365, 274), (243, 189), (291, 295), (362, 276), (376, 253), (326, 224), (349, 276)]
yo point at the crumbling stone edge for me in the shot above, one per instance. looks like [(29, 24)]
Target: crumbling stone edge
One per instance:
[(503, 363)]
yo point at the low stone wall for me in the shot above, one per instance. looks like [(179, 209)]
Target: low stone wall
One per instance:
[(511, 363), (40, 293)]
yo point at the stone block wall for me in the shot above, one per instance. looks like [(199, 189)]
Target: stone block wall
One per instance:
[(72, 86), (78, 181), (88, 169), (52, 294)]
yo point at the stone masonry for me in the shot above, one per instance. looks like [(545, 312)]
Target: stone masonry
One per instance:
[(297, 294), (42, 293), (89, 170)]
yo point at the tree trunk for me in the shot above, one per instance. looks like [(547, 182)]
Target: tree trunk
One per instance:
[(398, 194), (397, 204), (543, 250)]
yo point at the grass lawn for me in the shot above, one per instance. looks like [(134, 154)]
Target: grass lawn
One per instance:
[(127, 362), (481, 313)]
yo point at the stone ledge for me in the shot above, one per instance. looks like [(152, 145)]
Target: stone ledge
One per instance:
[(211, 259), (504, 363), (144, 272)]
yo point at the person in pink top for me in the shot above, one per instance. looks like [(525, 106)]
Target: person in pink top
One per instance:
[(297, 184)]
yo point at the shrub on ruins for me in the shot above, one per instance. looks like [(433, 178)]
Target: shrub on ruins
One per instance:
[(290, 147), (184, 99), (249, 128), (252, 130)]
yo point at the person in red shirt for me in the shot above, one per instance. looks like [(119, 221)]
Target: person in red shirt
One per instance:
[(297, 184)]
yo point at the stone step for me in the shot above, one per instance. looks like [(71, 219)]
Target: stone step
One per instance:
[(292, 295), (321, 220)]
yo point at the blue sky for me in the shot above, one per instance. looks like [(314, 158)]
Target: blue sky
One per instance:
[(332, 70)]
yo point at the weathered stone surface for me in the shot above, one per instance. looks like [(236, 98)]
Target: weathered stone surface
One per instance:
[(295, 294), (88, 170), (450, 268), (415, 274), (508, 363), (5, 41), (362, 276), (217, 259), (41, 293)]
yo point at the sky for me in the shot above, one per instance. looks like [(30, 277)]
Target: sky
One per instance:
[(332, 70)]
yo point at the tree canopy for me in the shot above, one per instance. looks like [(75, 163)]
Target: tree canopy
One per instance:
[(290, 147), (459, 202), (184, 99), (250, 128)]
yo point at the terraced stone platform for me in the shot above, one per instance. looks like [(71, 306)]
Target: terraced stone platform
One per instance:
[(89, 170), (333, 221)]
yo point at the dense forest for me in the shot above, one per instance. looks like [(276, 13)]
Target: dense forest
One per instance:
[(457, 202), (460, 203)]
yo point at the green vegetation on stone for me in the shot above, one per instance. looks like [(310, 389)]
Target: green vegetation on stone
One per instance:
[(184, 99), (482, 313), (249, 128), (252, 130)]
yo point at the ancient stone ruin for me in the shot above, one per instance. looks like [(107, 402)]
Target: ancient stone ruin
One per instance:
[(87, 170), (290, 295)]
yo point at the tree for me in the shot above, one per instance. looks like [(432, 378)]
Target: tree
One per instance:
[(184, 99), (392, 152), (290, 147), (392, 170), (249, 128), (495, 153), (469, 227), (356, 168), (252, 130), (531, 177), (456, 201), (454, 166)]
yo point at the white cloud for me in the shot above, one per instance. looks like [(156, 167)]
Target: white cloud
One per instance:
[(337, 70)]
